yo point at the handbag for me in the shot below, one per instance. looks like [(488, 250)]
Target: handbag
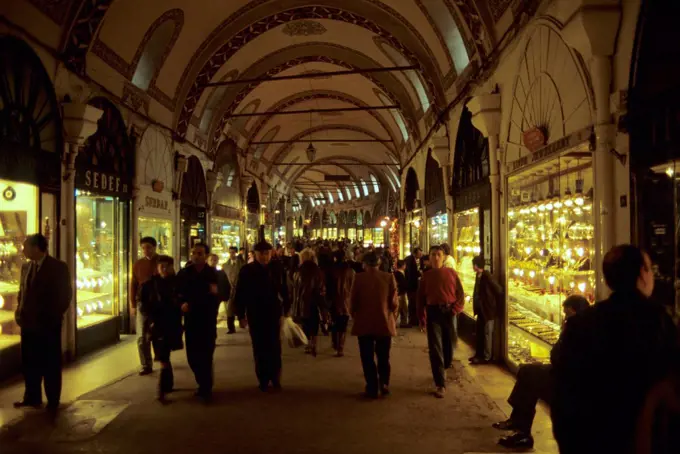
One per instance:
[(292, 333)]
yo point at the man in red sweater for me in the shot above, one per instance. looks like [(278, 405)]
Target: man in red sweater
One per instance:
[(440, 299)]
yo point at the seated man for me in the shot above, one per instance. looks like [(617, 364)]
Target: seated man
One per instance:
[(534, 381)]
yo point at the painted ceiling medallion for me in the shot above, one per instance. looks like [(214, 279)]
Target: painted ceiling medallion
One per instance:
[(304, 28)]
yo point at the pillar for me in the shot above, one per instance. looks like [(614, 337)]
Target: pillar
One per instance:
[(80, 122), (486, 117), (441, 152), (213, 180), (592, 31)]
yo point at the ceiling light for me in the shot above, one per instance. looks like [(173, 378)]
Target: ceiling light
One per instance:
[(311, 152)]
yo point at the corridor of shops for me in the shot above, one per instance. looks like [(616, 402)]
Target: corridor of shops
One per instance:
[(521, 139)]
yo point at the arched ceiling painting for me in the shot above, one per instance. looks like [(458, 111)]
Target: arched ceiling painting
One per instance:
[(363, 124)]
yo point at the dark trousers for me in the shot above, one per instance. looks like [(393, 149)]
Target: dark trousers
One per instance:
[(370, 348), (266, 340), (166, 379), (200, 346), (534, 381), (412, 307), (440, 337), (231, 323), (41, 360)]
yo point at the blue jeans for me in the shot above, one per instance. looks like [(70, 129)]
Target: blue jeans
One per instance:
[(441, 335), (143, 329), (484, 338)]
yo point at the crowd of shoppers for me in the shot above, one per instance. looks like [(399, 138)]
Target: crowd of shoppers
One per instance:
[(612, 383)]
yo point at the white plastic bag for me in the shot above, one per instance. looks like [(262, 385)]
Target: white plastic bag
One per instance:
[(292, 333)]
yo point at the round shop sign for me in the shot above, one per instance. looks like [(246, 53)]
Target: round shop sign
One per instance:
[(9, 193)]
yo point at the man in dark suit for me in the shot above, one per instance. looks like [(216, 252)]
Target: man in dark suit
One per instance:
[(44, 295)]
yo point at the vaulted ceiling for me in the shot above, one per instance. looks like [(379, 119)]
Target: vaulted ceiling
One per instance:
[(170, 53)]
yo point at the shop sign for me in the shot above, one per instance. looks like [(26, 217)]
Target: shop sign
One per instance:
[(103, 183), (560, 145), (533, 139)]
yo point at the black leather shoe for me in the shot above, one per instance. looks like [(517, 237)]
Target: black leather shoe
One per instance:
[(370, 395), (385, 390), (472, 358), (508, 424), (479, 361), (518, 440), (231, 331), (24, 404), (145, 371)]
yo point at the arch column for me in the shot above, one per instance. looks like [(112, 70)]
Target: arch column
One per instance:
[(592, 31), (441, 152), (486, 117), (80, 122), (213, 180)]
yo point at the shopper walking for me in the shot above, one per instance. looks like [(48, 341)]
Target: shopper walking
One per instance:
[(374, 308), (143, 269), (343, 280), (485, 299), (223, 285), (198, 295), (402, 290), (44, 296), (262, 299), (160, 295), (440, 299), (309, 292), (233, 267), (610, 356), (413, 274)]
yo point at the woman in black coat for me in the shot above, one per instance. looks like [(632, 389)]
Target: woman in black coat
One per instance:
[(165, 319)]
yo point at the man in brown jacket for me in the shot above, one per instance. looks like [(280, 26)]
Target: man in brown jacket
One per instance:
[(374, 308), (142, 271)]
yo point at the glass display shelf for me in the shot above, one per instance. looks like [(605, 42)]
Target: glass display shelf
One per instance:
[(550, 244)]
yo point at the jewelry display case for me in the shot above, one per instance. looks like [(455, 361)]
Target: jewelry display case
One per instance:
[(18, 218), (100, 261), (438, 229), (158, 229), (466, 243), (550, 242), (225, 234)]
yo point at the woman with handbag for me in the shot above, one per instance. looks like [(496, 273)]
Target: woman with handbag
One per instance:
[(309, 291), (165, 318)]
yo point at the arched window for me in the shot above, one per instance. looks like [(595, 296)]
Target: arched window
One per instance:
[(349, 193), (376, 186), (399, 60), (389, 179), (356, 191), (364, 186), (396, 178), (340, 197), (259, 151), (330, 197), (214, 101), (396, 115), (445, 22), (159, 40)]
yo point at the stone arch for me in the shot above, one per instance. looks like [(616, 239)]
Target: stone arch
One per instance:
[(247, 34)]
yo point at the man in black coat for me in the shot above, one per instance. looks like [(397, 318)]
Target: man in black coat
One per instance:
[(44, 295), (198, 296), (609, 358), (412, 278), (262, 299), (485, 299)]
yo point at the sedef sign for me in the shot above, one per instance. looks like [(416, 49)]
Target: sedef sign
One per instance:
[(103, 183)]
